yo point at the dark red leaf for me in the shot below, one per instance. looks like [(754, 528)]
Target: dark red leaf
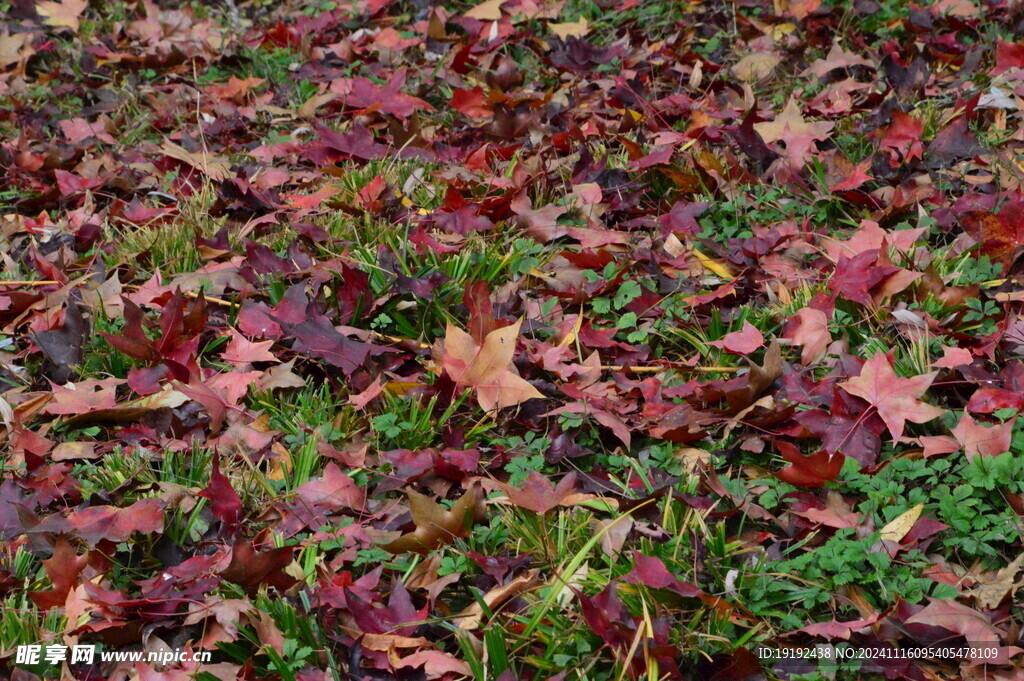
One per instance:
[(808, 471), (224, 501)]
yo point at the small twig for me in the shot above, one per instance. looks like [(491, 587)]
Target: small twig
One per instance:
[(655, 369), (190, 294), (396, 339), (41, 282)]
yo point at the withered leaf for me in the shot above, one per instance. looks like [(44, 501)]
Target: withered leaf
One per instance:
[(436, 525)]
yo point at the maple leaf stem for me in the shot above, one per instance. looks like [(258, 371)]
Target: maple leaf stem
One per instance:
[(856, 423)]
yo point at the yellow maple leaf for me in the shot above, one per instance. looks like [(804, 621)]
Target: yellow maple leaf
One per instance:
[(487, 368), (64, 14), (486, 11), (791, 123), (576, 29), (14, 48)]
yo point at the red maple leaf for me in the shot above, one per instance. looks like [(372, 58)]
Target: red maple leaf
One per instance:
[(97, 523), (895, 398), (537, 494), (855, 277), (224, 500), (846, 427), (902, 139)]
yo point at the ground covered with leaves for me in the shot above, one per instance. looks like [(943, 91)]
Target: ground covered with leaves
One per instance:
[(521, 341)]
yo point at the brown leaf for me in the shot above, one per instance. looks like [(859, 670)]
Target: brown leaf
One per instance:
[(576, 29), (756, 66), (489, 10), (216, 167), (993, 587), (14, 48), (267, 631), (613, 533), (67, 451), (385, 642), (249, 568), (63, 346), (129, 412), (759, 379), (472, 617), (436, 525), (24, 412), (63, 14)]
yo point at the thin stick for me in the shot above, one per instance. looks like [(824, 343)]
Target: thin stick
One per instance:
[(396, 339), (189, 294), (41, 282), (655, 369)]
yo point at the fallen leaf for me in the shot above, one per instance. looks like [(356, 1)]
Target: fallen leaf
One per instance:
[(756, 66), (993, 587), (895, 398), (576, 29), (953, 357), (797, 134), (250, 568), (97, 523), (224, 500), (537, 494), (980, 440), (63, 569), (14, 48), (959, 619), (71, 451), (812, 332), (63, 346), (898, 527), (472, 617), (490, 10), (436, 525), (809, 471), (487, 368), (742, 342), (435, 664), (63, 14), (217, 168)]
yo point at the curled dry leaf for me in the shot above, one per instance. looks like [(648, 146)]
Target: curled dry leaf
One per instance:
[(993, 587), (472, 617), (436, 525), (131, 411)]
